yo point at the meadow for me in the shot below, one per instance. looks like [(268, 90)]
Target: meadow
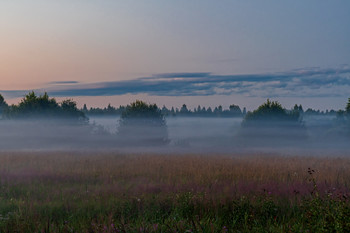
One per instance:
[(116, 192)]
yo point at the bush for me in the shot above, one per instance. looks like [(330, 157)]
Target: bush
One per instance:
[(143, 123)]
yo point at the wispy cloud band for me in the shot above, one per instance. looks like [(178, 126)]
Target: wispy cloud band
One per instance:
[(307, 82)]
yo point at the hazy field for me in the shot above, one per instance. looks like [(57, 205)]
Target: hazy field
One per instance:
[(56, 176), (113, 192)]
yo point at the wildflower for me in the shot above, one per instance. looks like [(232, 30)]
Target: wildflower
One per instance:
[(155, 226)]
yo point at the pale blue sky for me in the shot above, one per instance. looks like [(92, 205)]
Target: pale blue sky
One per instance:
[(94, 42)]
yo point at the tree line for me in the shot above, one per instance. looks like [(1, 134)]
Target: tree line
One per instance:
[(219, 111), (33, 105), (232, 111), (146, 122)]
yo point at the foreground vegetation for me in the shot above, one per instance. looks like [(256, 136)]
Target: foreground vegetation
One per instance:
[(108, 192)]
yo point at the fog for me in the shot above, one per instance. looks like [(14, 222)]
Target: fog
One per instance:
[(318, 135), (186, 131)]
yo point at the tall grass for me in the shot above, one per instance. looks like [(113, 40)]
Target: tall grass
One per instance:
[(111, 192)]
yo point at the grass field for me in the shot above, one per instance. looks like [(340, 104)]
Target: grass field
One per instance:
[(111, 192)]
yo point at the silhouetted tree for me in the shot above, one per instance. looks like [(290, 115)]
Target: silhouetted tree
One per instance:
[(343, 116), (184, 110), (199, 109), (2, 101), (165, 111), (218, 110), (271, 123), (143, 123), (296, 107), (347, 108), (70, 110), (85, 110), (3, 104), (33, 106), (342, 122), (301, 110), (271, 111), (235, 110)]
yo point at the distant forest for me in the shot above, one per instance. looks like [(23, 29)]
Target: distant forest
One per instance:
[(219, 111), (233, 111), (32, 105)]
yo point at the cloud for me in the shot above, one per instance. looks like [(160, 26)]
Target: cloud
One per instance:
[(306, 82), (63, 82)]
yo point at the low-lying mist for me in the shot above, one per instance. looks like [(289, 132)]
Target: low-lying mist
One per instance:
[(184, 134), (42, 123)]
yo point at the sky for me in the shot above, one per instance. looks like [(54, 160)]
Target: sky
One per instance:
[(173, 52)]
